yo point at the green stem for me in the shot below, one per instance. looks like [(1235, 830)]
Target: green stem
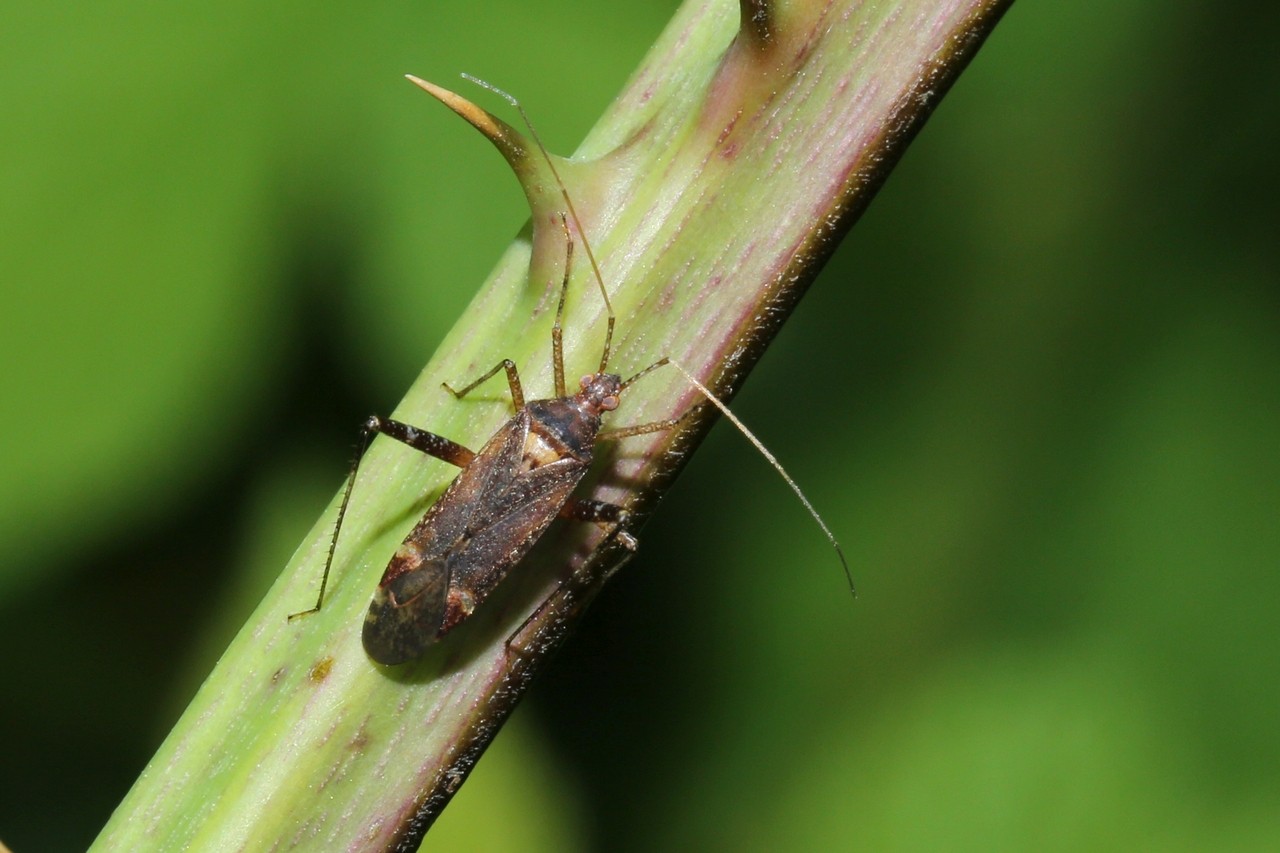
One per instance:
[(711, 193)]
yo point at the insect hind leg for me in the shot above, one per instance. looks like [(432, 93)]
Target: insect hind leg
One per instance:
[(419, 439), (610, 518)]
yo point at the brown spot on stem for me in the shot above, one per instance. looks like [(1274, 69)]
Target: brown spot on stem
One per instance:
[(320, 670), (360, 740)]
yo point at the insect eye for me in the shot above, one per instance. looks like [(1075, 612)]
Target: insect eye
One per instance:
[(609, 403), (586, 381)]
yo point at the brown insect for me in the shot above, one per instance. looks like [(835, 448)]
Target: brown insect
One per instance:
[(508, 493), (498, 506)]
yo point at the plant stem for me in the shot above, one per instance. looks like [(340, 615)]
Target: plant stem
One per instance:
[(711, 192)]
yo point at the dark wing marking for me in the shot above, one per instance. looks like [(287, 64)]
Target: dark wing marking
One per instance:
[(405, 615), (486, 520)]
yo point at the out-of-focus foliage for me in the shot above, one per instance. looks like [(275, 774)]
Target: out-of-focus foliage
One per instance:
[(1037, 393)]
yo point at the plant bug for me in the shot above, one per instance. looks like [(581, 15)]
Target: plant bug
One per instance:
[(505, 497), (508, 493)]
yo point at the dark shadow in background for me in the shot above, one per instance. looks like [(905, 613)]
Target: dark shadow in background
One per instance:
[(87, 699)]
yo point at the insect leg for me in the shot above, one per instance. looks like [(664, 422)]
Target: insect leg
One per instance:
[(557, 332), (610, 517), (644, 429), (587, 509), (420, 440), (641, 429), (513, 379)]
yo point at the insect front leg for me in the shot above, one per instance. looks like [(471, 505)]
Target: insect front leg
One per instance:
[(645, 429), (605, 514), (641, 429), (419, 439), (652, 426)]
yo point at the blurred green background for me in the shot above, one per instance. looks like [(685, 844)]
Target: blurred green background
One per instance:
[(1036, 394)]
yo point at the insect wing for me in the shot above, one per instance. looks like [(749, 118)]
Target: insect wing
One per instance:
[(405, 614), (483, 524)]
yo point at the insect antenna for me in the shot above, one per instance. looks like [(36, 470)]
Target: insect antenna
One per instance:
[(628, 382), (573, 213), (777, 466)]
